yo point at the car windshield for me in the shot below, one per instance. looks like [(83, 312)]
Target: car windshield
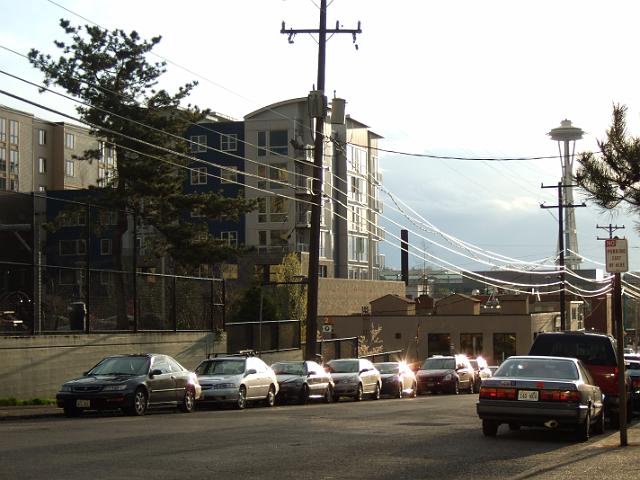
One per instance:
[(343, 366), (121, 366), (538, 368), (387, 367), (221, 367), (592, 350), (439, 364), (293, 368)]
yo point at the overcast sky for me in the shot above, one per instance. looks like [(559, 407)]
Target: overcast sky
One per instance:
[(458, 78)]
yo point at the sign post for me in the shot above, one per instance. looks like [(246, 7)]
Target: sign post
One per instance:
[(617, 259)]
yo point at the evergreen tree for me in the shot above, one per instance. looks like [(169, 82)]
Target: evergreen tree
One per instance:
[(121, 102)]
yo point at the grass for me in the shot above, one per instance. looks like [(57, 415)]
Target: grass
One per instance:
[(14, 402)]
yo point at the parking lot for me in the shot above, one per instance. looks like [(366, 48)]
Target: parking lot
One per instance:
[(431, 436)]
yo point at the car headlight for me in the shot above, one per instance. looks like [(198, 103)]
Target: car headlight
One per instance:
[(65, 388), (114, 388), (447, 377)]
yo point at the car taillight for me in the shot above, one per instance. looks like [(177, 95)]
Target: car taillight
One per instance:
[(559, 395), (635, 382), (498, 393)]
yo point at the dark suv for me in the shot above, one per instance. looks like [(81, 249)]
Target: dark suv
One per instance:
[(597, 352), (446, 374)]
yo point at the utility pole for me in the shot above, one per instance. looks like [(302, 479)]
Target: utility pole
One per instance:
[(561, 206), (316, 198)]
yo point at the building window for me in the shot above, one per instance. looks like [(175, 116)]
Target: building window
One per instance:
[(278, 142), (74, 219), (13, 161), (471, 344), (69, 168), (229, 175), (439, 344), (42, 136), (278, 209), (228, 143), (72, 247), (13, 132), (229, 238), (105, 246), (42, 165), (262, 210), (262, 173), (13, 184), (3, 183), (69, 141), (3, 160), (198, 143), (358, 249), (3, 129), (504, 346), (262, 238), (108, 154), (199, 176), (279, 173)]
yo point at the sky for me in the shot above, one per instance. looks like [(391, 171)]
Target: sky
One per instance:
[(458, 78)]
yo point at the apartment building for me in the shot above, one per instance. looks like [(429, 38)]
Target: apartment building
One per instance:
[(38, 155)]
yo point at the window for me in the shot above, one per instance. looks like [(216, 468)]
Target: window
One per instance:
[(278, 209), (13, 132), (105, 246), (13, 161), (279, 237), (13, 184), (278, 142), (42, 165), (262, 238), (3, 183), (228, 143), (3, 129), (439, 344), (42, 137), (471, 344), (198, 143), (262, 173), (279, 173), (504, 346), (107, 217), (108, 153), (229, 175), (3, 160), (230, 238), (262, 210), (199, 176), (69, 168), (74, 219), (72, 247), (69, 141), (358, 249)]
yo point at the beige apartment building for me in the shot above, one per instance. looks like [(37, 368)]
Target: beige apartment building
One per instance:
[(37, 155)]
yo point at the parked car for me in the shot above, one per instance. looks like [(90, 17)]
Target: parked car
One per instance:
[(597, 352), (397, 379), (481, 370), (355, 377), (446, 374), (237, 380), (301, 381), (633, 369), (554, 392), (131, 383)]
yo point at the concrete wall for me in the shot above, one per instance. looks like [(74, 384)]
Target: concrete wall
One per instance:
[(339, 296)]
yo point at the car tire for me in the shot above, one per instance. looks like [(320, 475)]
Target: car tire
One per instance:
[(471, 389), (328, 395), (358, 396), (489, 428), (414, 390), (270, 401), (188, 404), (304, 395), (598, 426), (139, 403), (456, 388), (241, 402), (72, 411), (399, 390), (376, 392), (583, 431)]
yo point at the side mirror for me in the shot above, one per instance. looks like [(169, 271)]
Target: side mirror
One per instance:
[(154, 372), (251, 371)]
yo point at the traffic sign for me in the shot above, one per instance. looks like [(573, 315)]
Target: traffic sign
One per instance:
[(617, 255)]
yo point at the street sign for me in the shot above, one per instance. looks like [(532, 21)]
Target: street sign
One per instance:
[(617, 255)]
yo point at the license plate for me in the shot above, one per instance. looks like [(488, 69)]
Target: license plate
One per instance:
[(528, 395), (83, 403)]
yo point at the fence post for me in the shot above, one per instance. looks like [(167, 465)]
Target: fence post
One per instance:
[(174, 307)]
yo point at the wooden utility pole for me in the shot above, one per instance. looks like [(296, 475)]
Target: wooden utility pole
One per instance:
[(316, 198)]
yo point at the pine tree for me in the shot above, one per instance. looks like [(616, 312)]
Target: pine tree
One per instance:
[(108, 72)]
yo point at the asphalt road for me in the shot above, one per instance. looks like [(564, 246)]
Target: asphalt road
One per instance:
[(426, 437)]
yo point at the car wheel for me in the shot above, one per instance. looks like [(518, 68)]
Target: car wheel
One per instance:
[(399, 390), (514, 427), (358, 395), (598, 427), (471, 389), (241, 402), (489, 428), (139, 403), (456, 388), (376, 392), (72, 411), (188, 404), (583, 430), (328, 395), (304, 395), (270, 401), (414, 390)]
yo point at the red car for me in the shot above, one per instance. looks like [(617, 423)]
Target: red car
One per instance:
[(449, 374)]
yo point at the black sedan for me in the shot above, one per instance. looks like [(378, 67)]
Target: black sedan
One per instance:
[(633, 369), (301, 381), (131, 383), (398, 379), (554, 392)]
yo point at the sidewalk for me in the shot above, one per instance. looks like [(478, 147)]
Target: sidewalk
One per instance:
[(29, 411)]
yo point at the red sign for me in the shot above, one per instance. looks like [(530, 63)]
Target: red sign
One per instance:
[(617, 255)]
